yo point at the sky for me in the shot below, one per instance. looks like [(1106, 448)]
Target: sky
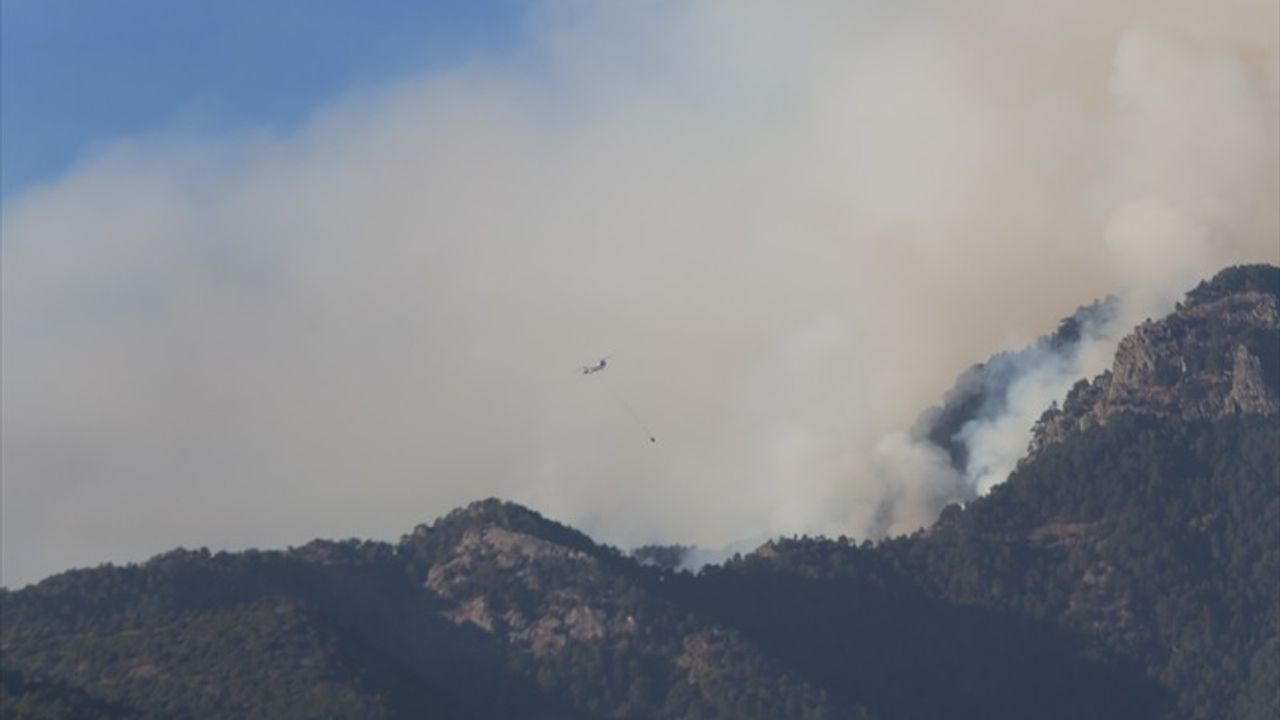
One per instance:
[(75, 75), (322, 273)]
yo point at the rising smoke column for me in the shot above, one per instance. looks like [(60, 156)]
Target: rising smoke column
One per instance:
[(795, 223)]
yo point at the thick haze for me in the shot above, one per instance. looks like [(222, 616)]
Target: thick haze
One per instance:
[(790, 230)]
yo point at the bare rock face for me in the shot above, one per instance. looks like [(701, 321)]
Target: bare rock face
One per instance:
[(1217, 354), (541, 611), (1251, 393)]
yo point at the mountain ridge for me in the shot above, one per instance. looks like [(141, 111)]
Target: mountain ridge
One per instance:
[(1217, 353), (1127, 569)]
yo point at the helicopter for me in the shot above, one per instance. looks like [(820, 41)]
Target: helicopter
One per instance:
[(597, 367)]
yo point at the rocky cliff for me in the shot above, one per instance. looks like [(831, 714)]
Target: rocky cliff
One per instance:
[(1217, 354)]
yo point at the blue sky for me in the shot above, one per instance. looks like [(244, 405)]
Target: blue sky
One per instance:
[(74, 74)]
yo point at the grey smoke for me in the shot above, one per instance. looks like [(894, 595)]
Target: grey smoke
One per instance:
[(790, 226), (982, 429)]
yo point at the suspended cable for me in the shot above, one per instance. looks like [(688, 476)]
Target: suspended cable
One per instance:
[(594, 370)]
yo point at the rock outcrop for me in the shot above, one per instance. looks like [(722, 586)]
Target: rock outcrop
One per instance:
[(1217, 354)]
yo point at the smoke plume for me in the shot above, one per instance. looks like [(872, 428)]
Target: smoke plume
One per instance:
[(789, 227)]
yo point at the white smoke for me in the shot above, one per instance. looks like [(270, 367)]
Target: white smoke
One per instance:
[(962, 449), (789, 226)]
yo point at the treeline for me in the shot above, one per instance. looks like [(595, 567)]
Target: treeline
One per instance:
[(1130, 571)]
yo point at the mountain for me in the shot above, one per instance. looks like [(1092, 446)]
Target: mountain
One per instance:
[(1216, 355), (1128, 568), (492, 611)]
